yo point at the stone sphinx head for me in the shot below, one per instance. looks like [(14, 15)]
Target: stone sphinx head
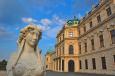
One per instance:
[(30, 34), (19, 64)]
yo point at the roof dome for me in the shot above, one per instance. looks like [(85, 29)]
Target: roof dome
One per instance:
[(72, 22)]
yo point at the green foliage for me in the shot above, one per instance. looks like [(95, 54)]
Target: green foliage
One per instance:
[(3, 65)]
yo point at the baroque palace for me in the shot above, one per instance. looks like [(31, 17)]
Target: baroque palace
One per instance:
[(87, 45)]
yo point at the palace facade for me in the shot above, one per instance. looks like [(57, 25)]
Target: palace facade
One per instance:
[(49, 60), (87, 46), (66, 40), (97, 39)]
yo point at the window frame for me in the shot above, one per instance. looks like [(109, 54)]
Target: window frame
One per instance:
[(70, 34), (112, 36), (101, 39), (71, 49), (86, 64), (85, 44), (94, 63), (92, 44), (79, 48), (103, 60), (99, 18), (91, 24), (114, 58), (80, 64), (109, 12), (84, 28)]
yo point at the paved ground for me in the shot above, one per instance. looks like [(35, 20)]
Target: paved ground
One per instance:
[(3, 73), (72, 74)]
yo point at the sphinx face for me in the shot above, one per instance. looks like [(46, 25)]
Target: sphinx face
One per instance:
[(32, 38)]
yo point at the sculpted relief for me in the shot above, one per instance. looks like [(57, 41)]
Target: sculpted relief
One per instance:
[(27, 60)]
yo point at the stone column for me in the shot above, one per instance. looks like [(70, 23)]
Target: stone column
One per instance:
[(54, 65), (66, 66), (60, 65)]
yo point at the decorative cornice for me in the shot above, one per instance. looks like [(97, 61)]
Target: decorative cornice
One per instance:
[(93, 12), (73, 38), (62, 30), (95, 52)]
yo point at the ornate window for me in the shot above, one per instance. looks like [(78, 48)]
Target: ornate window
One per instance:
[(85, 46), (79, 48), (101, 41), (91, 24), (98, 18), (70, 34), (71, 49), (94, 63), (108, 10), (80, 64), (84, 29), (103, 63), (114, 58), (86, 64), (63, 36), (92, 43), (63, 49), (112, 32), (46, 66)]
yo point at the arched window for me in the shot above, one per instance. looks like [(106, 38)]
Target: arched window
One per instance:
[(71, 49)]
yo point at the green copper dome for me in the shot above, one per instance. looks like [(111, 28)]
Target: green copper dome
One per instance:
[(72, 22), (49, 51)]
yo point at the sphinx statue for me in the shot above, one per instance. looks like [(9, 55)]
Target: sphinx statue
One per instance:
[(27, 60)]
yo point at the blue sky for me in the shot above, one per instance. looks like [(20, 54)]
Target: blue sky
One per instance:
[(49, 15)]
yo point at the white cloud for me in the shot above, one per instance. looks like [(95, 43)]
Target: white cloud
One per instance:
[(79, 16), (44, 28), (50, 27), (51, 33), (46, 21), (57, 20), (29, 20)]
